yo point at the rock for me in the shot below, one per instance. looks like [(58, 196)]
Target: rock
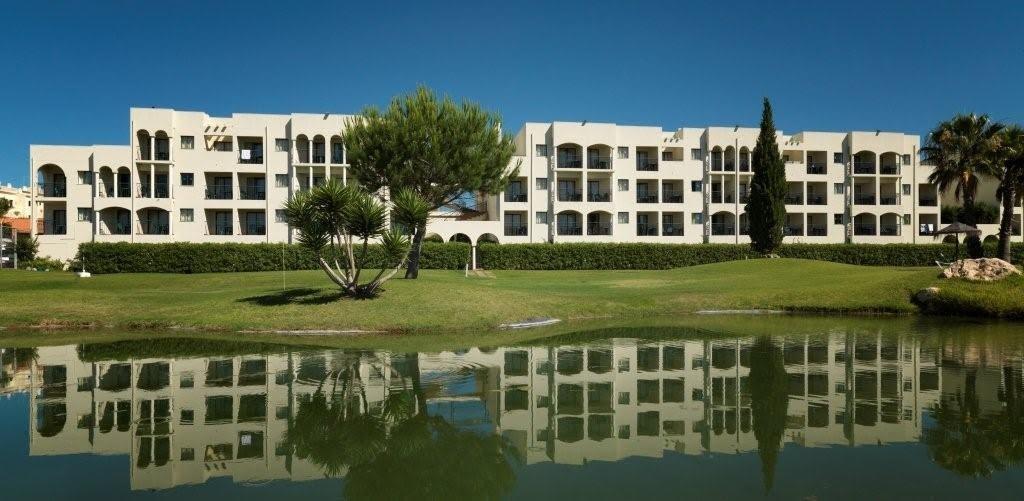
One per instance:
[(983, 269), (924, 298)]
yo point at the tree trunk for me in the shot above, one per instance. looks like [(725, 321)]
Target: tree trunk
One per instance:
[(413, 269), (1006, 223), (973, 242)]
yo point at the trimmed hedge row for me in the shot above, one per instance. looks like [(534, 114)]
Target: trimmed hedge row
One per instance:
[(125, 257), (182, 257)]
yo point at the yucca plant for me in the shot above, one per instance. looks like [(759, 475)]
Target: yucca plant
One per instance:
[(338, 222)]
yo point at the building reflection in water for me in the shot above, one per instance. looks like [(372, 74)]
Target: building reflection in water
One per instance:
[(300, 415)]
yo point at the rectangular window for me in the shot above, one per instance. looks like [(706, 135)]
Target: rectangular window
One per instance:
[(186, 380), (695, 154), (84, 177), (906, 159), (188, 454), (280, 144), (623, 218), (839, 188), (838, 219), (279, 216), (84, 214), (187, 215), (697, 218), (906, 219), (542, 150), (623, 151), (623, 184), (696, 185), (187, 179), (837, 157), (188, 142), (281, 180), (542, 183), (906, 189), (222, 146), (542, 217)]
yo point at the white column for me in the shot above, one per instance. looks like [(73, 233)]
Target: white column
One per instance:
[(152, 181), (472, 252), (152, 147)]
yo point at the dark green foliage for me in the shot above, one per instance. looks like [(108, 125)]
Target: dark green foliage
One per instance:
[(983, 213), (767, 205), (173, 348), (768, 403), (123, 257), (26, 248)]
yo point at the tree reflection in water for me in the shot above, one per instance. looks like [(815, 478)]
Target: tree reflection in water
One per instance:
[(768, 404), (398, 451)]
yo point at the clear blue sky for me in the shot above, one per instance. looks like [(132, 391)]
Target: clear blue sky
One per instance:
[(70, 72)]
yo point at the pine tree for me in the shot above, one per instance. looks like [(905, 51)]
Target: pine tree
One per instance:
[(766, 209)]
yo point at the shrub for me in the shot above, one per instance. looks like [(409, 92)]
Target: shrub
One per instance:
[(26, 247), (42, 264), (984, 213), (183, 257)]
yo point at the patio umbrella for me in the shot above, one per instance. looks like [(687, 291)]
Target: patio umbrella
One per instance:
[(956, 229)]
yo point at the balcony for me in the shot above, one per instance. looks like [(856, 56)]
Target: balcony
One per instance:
[(570, 162), (599, 162), (817, 231), (672, 196), (646, 165), (888, 200), (646, 230), (864, 229), (646, 198), (154, 228), (744, 166), (864, 199), (512, 196), (816, 199), (570, 196), (599, 229), (599, 197), (50, 227), (58, 190), (722, 229), (255, 229), (671, 230), (219, 193), (863, 168), (794, 199), (252, 193), (569, 229), (515, 230), (223, 229), (730, 167), (889, 170), (889, 230), (928, 202), (250, 157), (160, 190), (744, 198), (816, 168), (793, 231)]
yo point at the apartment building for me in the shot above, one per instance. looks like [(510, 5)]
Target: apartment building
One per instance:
[(19, 198), (187, 176)]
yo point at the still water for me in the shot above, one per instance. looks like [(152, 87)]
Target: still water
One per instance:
[(809, 409)]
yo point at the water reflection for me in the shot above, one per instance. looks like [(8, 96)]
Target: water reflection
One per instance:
[(460, 424)]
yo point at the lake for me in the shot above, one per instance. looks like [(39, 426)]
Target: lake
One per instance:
[(727, 407)]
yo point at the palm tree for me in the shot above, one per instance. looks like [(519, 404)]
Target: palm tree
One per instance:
[(1010, 165), (961, 149)]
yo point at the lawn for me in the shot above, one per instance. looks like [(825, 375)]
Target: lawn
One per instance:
[(447, 300)]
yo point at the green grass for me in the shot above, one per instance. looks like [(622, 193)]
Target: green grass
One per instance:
[(1004, 299), (448, 301)]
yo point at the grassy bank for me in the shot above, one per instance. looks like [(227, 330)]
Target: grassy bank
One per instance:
[(446, 300)]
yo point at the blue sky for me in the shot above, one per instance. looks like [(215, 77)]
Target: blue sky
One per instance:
[(70, 72)]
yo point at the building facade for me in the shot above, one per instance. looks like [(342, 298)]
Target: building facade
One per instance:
[(20, 198), (187, 176)]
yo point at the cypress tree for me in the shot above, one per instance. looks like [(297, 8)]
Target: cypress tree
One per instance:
[(766, 210)]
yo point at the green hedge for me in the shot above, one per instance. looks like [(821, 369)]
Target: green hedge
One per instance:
[(123, 257), (207, 258)]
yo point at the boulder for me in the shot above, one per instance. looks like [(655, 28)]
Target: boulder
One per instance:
[(983, 269)]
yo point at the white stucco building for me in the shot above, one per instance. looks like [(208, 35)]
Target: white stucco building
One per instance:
[(188, 176)]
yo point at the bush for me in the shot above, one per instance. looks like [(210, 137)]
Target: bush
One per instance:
[(42, 264), (183, 257), (984, 213), (26, 247)]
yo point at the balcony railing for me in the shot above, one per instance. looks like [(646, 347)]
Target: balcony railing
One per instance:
[(888, 200), (730, 167), (863, 168), (318, 158), (160, 190), (889, 169), (599, 229), (255, 229), (646, 230), (817, 231), (722, 229), (599, 162), (647, 198), (223, 230), (512, 230), (793, 231), (672, 196), (599, 197), (744, 198), (53, 189), (646, 165), (118, 229), (671, 230), (50, 227), (252, 194), (337, 158), (815, 168), (255, 157), (717, 198), (744, 230), (928, 202), (816, 199), (889, 230), (570, 162), (219, 193), (162, 156), (570, 196), (568, 229), (794, 199), (863, 229), (864, 199), (151, 228), (513, 196), (744, 166)]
